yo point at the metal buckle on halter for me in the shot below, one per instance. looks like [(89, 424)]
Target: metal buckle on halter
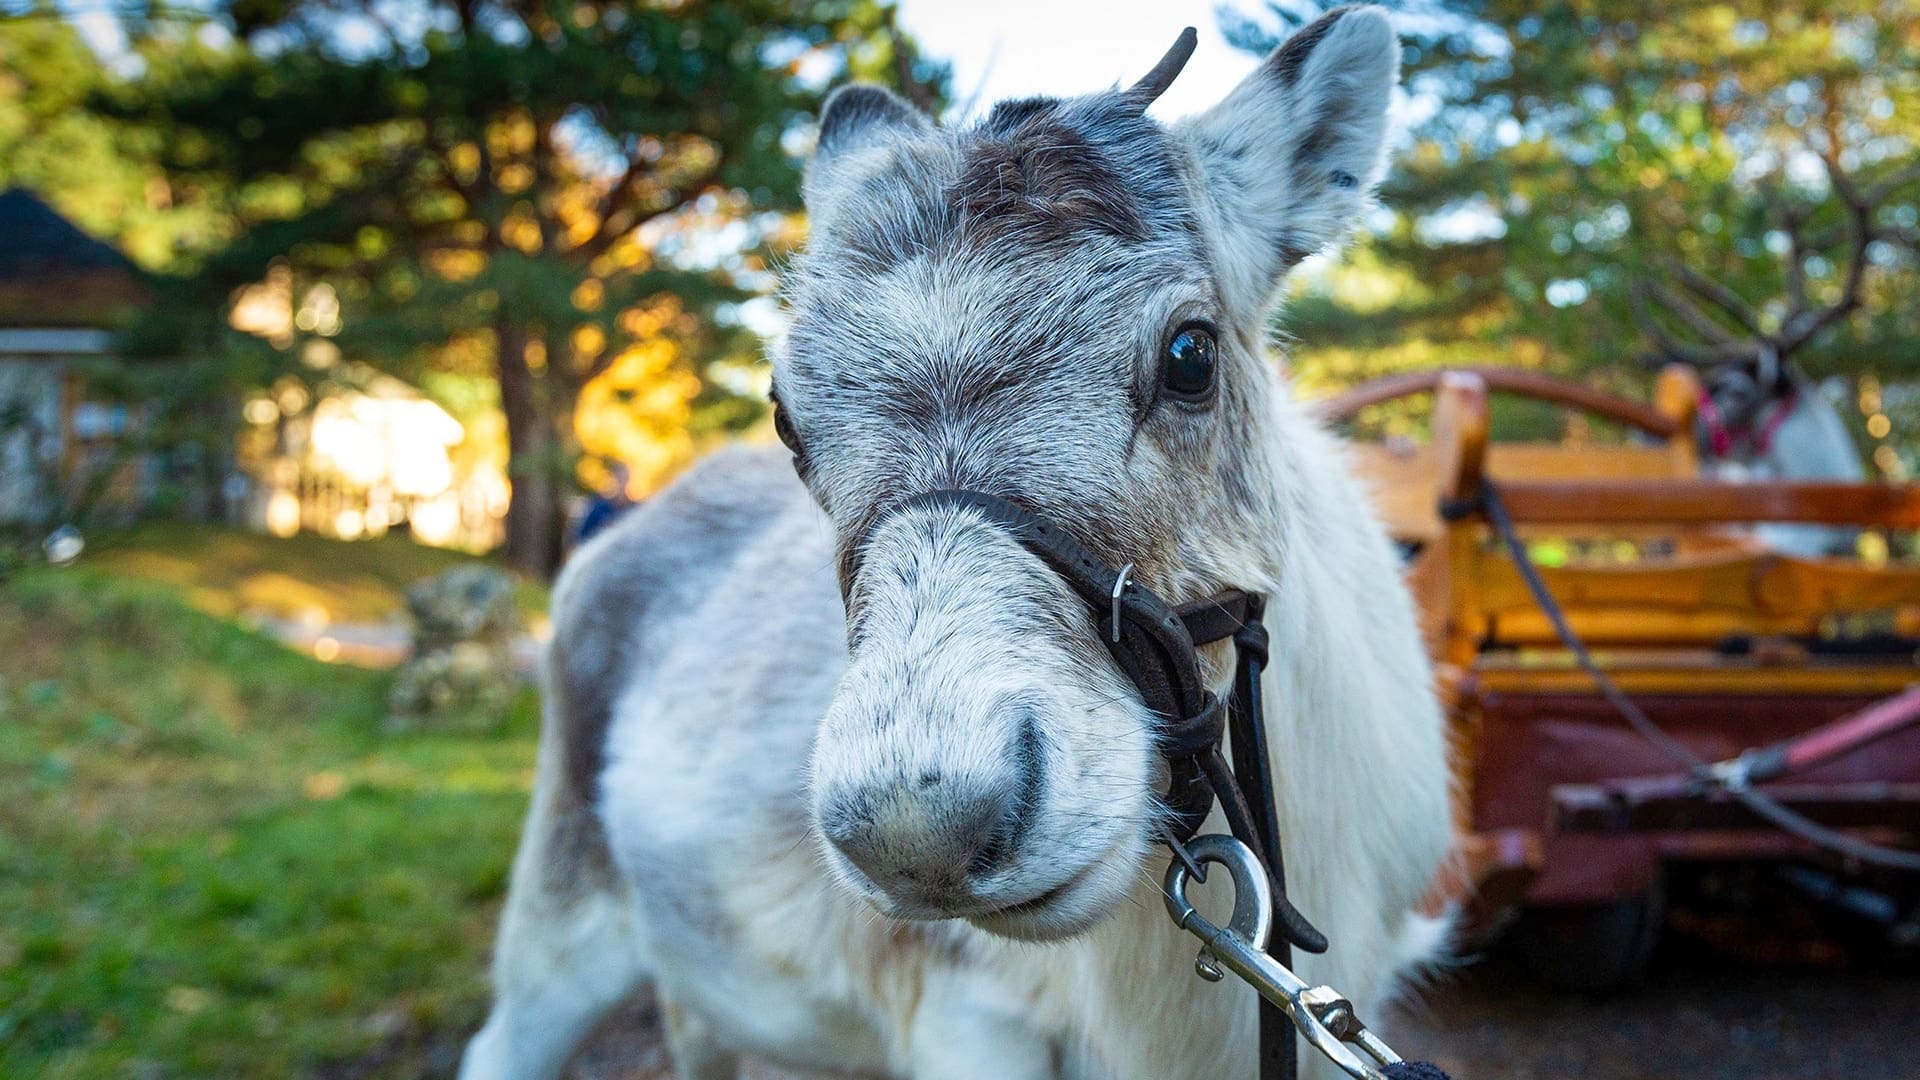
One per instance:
[(1119, 588), (1321, 1014)]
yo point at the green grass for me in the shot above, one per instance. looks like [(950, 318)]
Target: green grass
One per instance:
[(227, 572), (213, 864)]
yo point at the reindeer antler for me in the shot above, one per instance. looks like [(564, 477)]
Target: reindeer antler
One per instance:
[(1155, 82), (1658, 305)]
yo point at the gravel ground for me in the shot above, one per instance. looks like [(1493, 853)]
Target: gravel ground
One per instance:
[(1751, 982), (1696, 1018), (1699, 1016)]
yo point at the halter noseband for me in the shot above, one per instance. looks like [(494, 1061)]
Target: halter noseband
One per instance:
[(1154, 644)]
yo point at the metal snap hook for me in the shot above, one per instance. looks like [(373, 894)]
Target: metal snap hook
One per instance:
[(1252, 891), (1324, 1017)]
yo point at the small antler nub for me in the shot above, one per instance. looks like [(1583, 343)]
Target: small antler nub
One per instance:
[(1155, 82)]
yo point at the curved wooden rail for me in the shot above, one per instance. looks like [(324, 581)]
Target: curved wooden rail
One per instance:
[(1671, 417), (1710, 502)]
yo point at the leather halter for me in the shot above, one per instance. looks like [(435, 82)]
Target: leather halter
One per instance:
[(1722, 436), (1154, 644)]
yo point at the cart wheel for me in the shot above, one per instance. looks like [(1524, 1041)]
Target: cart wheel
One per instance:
[(1591, 948)]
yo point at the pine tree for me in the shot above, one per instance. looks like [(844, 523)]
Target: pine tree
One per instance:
[(1596, 188), (522, 188), (102, 175)]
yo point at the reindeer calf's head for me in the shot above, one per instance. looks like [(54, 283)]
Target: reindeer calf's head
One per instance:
[(1062, 306)]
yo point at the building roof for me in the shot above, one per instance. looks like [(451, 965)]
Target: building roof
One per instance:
[(53, 274), (35, 241)]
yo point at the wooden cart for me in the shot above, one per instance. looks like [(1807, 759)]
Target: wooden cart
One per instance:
[(1724, 644)]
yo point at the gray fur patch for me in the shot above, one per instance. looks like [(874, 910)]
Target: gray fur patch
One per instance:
[(1291, 58), (1043, 181), (853, 111), (610, 591), (1035, 176)]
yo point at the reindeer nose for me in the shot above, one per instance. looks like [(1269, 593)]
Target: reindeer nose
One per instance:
[(921, 837)]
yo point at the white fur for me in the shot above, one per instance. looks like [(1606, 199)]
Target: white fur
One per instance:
[(1250, 161), (1810, 443), (742, 723)]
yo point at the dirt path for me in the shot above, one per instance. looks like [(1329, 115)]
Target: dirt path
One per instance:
[(375, 645), (1697, 1018)]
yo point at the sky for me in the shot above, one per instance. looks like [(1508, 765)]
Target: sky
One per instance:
[(1002, 48), (1015, 48)]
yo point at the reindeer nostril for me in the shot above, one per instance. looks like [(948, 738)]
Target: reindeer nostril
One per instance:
[(997, 844), (929, 778), (1030, 756), (1002, 839)]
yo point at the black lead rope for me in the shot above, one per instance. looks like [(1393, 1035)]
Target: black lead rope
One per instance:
[(1487, 501), (1154, 644), (1279, 1049), (1251, 787), (1240, 616)]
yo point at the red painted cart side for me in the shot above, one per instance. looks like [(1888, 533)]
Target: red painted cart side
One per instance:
[(1720, 641)]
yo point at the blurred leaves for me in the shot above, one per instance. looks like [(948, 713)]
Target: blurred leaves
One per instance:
[(484, 188), (103, 174), (1560, 154)]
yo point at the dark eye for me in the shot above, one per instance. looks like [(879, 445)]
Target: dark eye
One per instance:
[(1187, 371), (783, 427)]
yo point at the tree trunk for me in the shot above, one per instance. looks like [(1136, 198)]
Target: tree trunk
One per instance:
[(536, 515)]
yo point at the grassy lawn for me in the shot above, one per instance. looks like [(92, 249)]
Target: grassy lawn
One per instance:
[(212, 864), (229, 573)]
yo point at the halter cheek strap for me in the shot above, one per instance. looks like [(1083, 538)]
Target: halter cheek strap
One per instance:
[(1721, 436)]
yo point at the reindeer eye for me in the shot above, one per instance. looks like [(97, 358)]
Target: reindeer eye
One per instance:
[(783, 427), (1187, 371)]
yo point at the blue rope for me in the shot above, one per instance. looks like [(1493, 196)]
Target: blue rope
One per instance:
[(1414, 1070)]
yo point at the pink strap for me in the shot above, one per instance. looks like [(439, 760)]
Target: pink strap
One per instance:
[(1717, 432), (1843, 736), (1721, 436)]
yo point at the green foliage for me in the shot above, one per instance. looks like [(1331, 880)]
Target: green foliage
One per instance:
[(214, 864), (102, 174), (1565, 155), (515, 189)]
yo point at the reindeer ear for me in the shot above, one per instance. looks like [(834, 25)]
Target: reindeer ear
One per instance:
[(1290, 157), (857, 118), (859, 114)]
